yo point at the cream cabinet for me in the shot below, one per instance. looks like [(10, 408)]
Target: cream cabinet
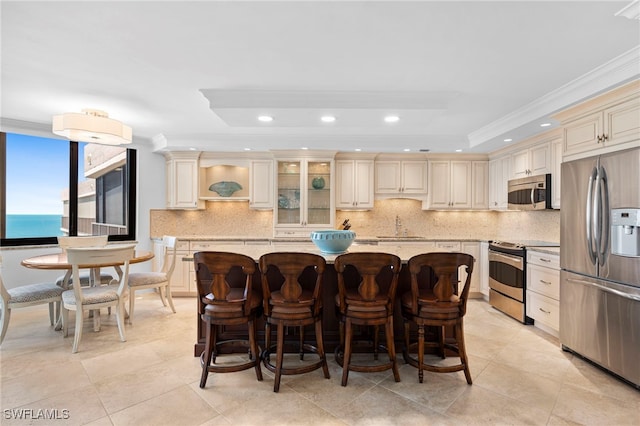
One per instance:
[(543, 290), (183, 180), (458, 184), (472, 248), (354, 184), (304, 196), (532, 161), (603, 124), (556, 177), (499, 174), (181, 284), (400, 178), (261, 184)]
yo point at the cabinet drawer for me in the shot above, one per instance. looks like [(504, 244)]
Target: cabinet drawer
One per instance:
[(543, 259), (543, 309), (448, 245), (545, 281), (211, 245), (182, 245)]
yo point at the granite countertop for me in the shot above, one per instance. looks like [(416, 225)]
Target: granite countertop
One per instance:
[(359, 239)]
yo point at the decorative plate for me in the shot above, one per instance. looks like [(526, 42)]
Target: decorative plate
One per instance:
[(224, 188)]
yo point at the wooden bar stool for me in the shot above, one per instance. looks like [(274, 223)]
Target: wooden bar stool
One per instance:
[(226, 298), (292, 290), (437, 304), (366, 294)]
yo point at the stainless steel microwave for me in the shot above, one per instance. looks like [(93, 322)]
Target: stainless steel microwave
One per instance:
[(530, 193)]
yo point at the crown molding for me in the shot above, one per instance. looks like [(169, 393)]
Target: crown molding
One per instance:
[(619, 70), (630, 11)]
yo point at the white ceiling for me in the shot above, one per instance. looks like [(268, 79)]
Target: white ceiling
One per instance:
[(460, 75)]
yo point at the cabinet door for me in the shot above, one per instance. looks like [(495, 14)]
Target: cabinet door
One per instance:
[(520, 164), (261, 184), (387, 177), (414, 177), (183, 184), (460, 185), (479, 184), (556, 178), (180, 280), (440, 184), (289, 194), (363, 184), (318, 200), (345, 184), (539, 159), (581, 135), (622, 122), (472, 248)]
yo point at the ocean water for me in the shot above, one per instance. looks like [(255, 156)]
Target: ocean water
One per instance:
[(33, 225)]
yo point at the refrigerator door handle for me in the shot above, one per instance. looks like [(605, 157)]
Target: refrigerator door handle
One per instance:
[(602, 193), (605, 289), (589, 217)]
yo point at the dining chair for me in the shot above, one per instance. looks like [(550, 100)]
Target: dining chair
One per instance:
[(227, 298), (27, 295), (292, 297), (81, 299), (367, 285), (160, 280), (435, 300), (86, 278)]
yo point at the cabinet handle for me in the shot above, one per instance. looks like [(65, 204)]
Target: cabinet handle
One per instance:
[(542, 259), (545, 282), (546, 312), (604, 137)]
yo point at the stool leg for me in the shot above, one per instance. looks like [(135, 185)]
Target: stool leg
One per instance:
[(301, 342), (347, 352), (320, 343), (405, 351), (375, 342), (205, 358), (279, 357), (420, 352), (441, 333), (463, 352), (391, 348), (254, 348)]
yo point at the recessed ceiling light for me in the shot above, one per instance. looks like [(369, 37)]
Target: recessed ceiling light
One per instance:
[(545, 125), (458, 150), (407, 149), (192, 149), (391, 119), (304, 147), (247, 149), (328, 118), (265, 118), (508, 140), (358, 149)]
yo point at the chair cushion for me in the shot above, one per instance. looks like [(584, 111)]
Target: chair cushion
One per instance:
[(84, 279), (146, 278), (34, 293), (92, 295)]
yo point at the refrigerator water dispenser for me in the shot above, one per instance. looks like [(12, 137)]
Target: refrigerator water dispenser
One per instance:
[(625, 232)]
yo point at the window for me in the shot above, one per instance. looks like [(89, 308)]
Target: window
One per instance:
[(51, 187)]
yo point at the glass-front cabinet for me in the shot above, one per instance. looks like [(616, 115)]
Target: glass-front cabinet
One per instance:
[(304, 194)]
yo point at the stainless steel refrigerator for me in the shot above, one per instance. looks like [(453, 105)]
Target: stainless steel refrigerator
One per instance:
[(600, 261)]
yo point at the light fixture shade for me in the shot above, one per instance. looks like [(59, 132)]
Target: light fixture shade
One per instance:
[(91, 126)]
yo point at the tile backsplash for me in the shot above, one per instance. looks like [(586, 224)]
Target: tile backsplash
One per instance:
[(234, 218)]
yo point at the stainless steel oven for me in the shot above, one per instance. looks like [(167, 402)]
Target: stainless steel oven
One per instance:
[(507, 277)]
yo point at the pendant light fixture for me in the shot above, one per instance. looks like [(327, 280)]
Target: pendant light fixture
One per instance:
[(93, 126)]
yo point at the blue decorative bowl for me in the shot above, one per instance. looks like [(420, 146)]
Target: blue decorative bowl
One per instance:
[(333, 241)]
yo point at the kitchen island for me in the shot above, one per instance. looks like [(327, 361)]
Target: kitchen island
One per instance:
[(330, 289)]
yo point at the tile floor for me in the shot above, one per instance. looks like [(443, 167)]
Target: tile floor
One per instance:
[(521, 376)]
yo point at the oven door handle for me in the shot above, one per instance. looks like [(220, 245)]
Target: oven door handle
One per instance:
[(515, 261)]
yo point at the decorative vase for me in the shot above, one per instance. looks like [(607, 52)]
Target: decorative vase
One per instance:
[(318, 182)]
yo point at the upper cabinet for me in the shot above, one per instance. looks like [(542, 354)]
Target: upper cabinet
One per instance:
[(531, 161), (400, 178), (261, 184), (457, 184), (606, 123), (304, 195), (354, 183), (499, 175), (183, 180)]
